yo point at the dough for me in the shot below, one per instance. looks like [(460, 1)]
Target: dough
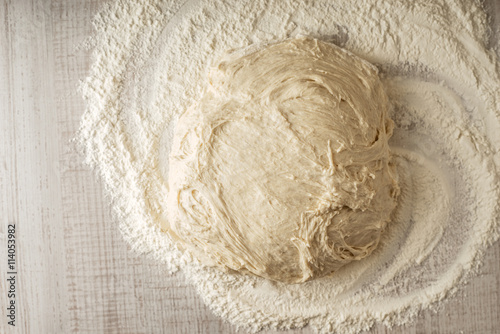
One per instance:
[(282, 169)]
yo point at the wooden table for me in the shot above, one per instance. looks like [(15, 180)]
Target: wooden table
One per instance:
[(74, 271)]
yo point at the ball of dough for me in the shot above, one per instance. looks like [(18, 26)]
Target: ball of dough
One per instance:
[(282, 169)]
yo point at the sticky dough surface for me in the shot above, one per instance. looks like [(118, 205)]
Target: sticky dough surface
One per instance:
[(282, 169)]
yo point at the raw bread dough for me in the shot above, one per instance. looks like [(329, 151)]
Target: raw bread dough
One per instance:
[(282, 169)]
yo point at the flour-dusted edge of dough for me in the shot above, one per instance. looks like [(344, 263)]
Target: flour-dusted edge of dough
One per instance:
[(282, 169)]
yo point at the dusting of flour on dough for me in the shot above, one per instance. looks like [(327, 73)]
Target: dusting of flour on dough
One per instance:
[(151, 58)]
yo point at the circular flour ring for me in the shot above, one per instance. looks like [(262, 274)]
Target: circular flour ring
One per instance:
[(149, 62)]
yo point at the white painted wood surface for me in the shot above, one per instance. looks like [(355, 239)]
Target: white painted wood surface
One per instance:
[(75, 273)]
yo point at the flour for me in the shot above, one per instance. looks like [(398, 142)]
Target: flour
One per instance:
[(151, 58)]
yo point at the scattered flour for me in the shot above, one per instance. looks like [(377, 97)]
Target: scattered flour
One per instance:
[(151, 59)]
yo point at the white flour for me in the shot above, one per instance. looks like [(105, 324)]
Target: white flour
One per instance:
[(151, 59)]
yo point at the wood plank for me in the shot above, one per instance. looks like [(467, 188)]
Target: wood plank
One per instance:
[(32, 180)]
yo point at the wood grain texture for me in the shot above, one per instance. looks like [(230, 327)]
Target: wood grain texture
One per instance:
[(75, 272)]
